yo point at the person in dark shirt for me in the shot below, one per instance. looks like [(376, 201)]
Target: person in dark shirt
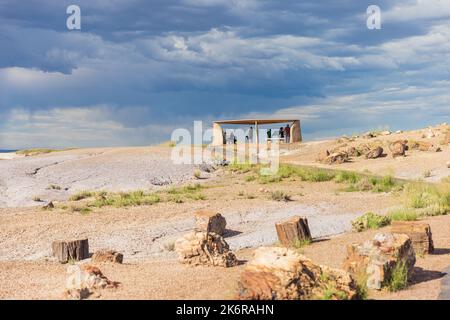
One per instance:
[(281, 133), (287, 133)]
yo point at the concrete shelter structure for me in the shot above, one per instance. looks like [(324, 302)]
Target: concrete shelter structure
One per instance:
[(296, 133)]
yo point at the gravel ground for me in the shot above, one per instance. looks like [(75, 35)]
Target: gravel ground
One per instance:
[(168, 279), (142, 242)]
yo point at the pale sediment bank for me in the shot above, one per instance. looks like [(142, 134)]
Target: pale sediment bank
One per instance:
[(111, 169)]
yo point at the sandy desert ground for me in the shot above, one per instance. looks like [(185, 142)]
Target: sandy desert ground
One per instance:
[(145, 233)]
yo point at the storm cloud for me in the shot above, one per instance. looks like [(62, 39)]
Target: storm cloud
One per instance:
[(138, 69)]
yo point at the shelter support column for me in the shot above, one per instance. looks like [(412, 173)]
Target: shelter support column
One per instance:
[(296, 132), (217, 135)]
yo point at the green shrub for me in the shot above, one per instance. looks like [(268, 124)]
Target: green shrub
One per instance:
[(347, 176), (330, 291), (81, 210), (435, 198), (241, 167), (370, 220), (384, 184), (250, 178), (374, 184), (269, 179), (125, 199), (191, 188)]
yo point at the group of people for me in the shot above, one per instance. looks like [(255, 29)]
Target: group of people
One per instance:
[(283, 134)]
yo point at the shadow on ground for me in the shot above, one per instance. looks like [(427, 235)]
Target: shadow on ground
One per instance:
[(422, 275)]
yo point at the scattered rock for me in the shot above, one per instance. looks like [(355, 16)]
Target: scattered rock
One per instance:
[(283, 274), (322, 156), (398, 148), (352, 152), (377, 258), (107, 256), (368, 135), (425, 146), (448, 164), (447, 138), (202, 248), (159, 181), (363, 148), (418, 232), (221, 163), (430, 134), (374, 153), (48, 206), (336, 158), (344, 139), (385, 133), (398, 131), (208, 221), (205, 167), (83, 280)]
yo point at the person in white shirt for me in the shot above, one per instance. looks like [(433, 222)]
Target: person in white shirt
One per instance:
[(250, 135)]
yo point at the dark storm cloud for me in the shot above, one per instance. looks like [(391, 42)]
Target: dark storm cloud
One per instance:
[(136, 64)]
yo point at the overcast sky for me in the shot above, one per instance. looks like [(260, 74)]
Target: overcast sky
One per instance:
[(138, 69)]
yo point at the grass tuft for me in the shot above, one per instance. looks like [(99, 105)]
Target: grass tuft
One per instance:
[(280, 196), (300, 243), (403, 214), (399, 277), (81, 195)]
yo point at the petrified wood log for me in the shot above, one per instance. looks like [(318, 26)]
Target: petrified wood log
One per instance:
[(71, 250), (293, 230), (418, 232)]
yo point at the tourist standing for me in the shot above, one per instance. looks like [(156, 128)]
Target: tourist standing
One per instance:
[(250, 135), (287, 133)]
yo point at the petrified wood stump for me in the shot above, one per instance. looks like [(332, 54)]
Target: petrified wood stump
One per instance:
[(209, 221), (418, 232), (71, 250), (293, 230)]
